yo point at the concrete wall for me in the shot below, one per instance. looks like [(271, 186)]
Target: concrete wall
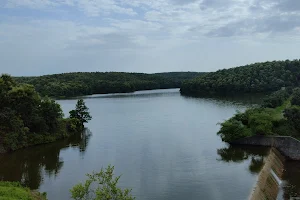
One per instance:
[(288, 146), (267, 187)]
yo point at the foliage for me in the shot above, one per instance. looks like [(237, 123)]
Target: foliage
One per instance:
[(261, 123), (296, 97), (285, 128), (233, 129), (292, 114), (14, 191), (276, 99), (284, 119), (254, 78), (255, 121), (73, 125), (27, 119), (85, 83), (81, 112), (101, 186)]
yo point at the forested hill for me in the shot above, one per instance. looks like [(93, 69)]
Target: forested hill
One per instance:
[(86, 83), (253, 78)]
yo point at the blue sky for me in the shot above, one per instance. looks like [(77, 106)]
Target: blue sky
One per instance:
[(54, 36)]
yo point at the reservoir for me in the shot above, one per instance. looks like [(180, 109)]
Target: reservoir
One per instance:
[(163, 144)]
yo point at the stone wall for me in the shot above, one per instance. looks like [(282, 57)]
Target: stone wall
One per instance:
[(288, 146)]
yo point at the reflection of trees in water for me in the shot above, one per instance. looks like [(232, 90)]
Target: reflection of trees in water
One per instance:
[(245, 99), (27, 165), (291, 174), (256, 164), (239, 154)]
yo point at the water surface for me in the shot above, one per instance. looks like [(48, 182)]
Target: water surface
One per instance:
[(164, 145)]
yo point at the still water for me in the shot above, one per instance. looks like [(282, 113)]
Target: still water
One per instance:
[(164, 145)]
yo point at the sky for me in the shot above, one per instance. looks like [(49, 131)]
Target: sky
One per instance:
[(40, 37)]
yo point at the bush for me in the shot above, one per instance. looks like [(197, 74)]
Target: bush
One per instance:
[(106, 187), (275, 99), (284, 127), (10, 142), (261, 123), (296, 97), (73, 125), (257, 121), (233, 129), (292, 114)]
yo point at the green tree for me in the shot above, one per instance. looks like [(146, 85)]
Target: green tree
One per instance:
[(51, 113), (81, 112), (296, 97), (292, 114), (86, 83), (106, 187), (232, 130), (26, 119), (261, 123), (253, 78), (276, 99)]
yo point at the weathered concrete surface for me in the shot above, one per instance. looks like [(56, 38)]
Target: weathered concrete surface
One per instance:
[(288, 146), (267, 187)]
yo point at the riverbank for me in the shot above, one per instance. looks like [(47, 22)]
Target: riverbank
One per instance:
[(14, 191), (88, 83), (37, 139), (279, 115), (27, 119)]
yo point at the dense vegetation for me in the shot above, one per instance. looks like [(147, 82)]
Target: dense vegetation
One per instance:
[(27, 119), (14, 191), (255, 78), (278, 115), (85, 83)]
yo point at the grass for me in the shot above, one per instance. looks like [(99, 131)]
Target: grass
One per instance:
[(14, 191), (278, 112)]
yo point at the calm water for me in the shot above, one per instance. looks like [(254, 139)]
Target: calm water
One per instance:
[(164, 145)]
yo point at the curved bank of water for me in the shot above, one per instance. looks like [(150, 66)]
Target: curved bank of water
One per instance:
[(164, 145)]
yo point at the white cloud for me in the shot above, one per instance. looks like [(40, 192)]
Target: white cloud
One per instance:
[(91, 8), (102, 7), (35, 4), (135, 35)]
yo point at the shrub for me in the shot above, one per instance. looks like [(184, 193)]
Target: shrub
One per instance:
[(261, 123), (106, 187), (233, 129), (296, 97), (73, 125), (284, 127), (292, 114), (275, 99)]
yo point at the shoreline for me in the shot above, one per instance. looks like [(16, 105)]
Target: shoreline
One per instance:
[(56, 139)]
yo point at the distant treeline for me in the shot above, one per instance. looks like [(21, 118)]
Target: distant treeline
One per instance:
[(254, 78), (86, 83)]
